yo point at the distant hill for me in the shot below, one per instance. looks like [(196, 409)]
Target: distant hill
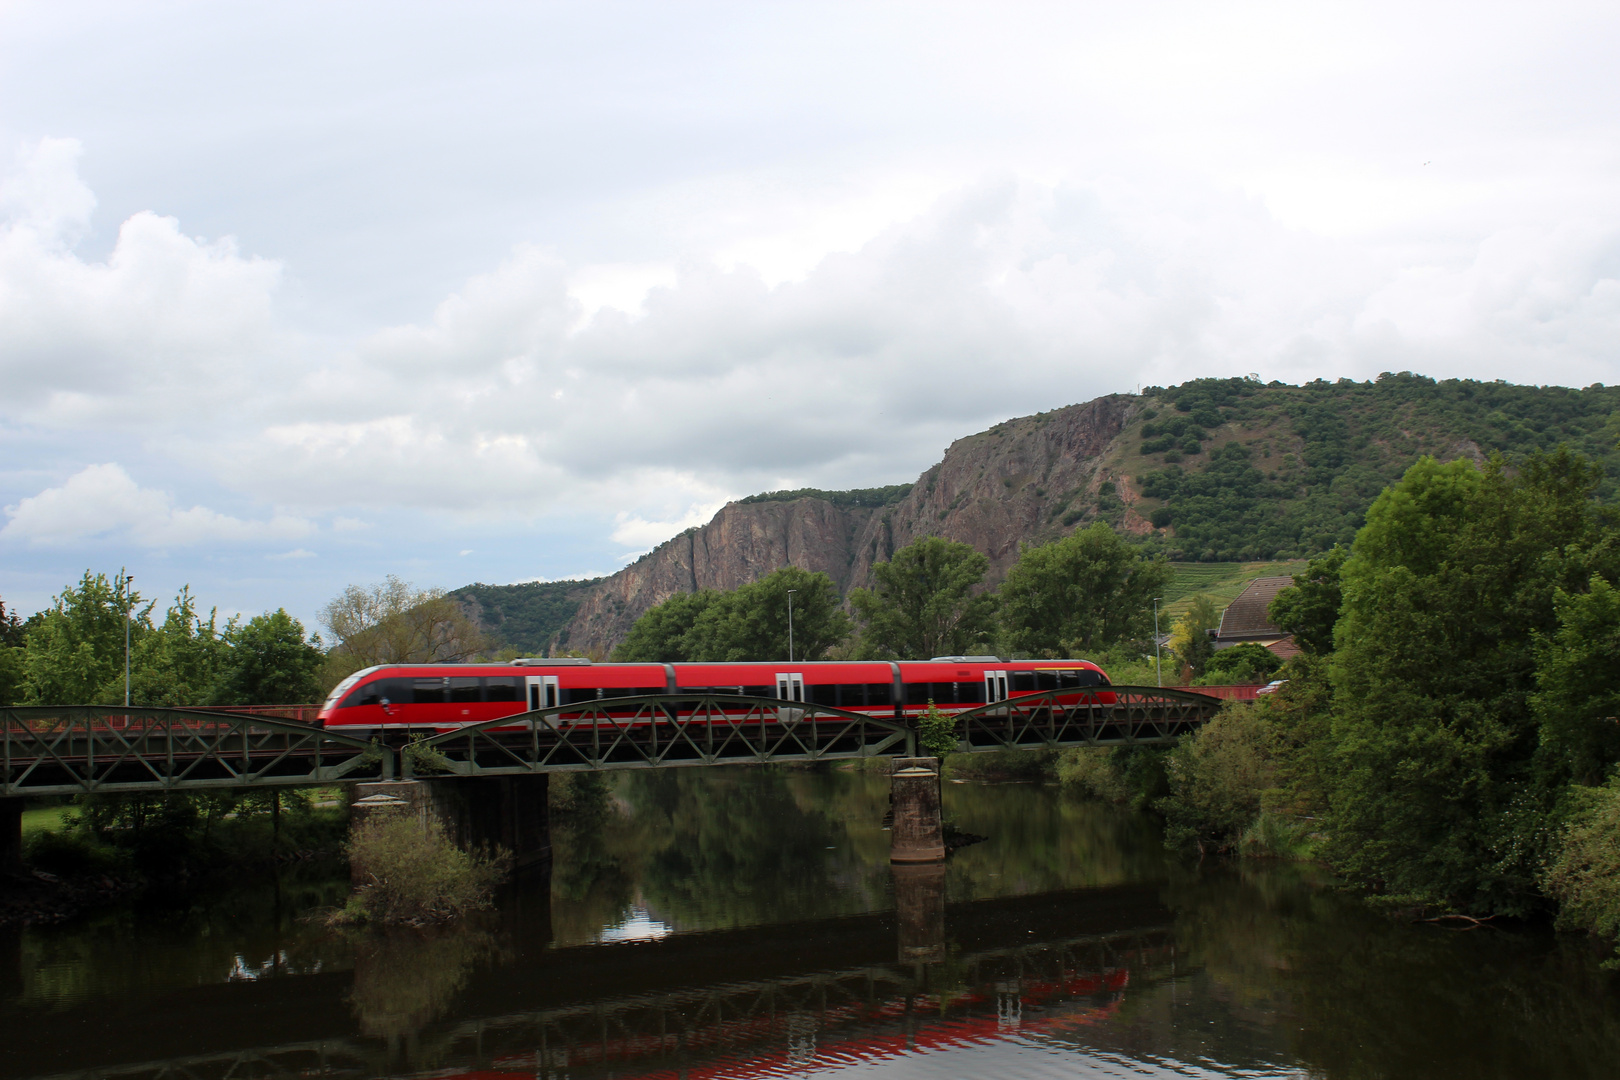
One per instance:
[(1229, 478), (525, 617)]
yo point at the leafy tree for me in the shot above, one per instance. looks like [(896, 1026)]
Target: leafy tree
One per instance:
[(177, 662), (1081, 594), (660, 635), (269, 661), (396, 623), (12, 672), (751, 622), (1578, 684), (1189, 638), (1451, 583), (75, 652), (1584, 876), (923, 601), (1249, 662), (1309, 609)]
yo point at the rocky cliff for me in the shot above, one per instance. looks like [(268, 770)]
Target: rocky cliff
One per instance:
[(1025, 480)]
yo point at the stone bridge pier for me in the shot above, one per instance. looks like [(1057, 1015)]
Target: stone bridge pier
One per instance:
[(917, 833), (509, 811)]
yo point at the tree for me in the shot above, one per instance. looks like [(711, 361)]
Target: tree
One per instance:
[(1189, 638), (12, 672), (659, 636), (751, 622), (269, 661), (1249, 662), (1451, 583), (1309, 609), (1578, 685), (1081, 594), (176, 664), (396, 623), (75, 653), (923, 602)]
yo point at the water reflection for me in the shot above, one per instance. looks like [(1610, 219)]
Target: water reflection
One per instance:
[(743, 923)]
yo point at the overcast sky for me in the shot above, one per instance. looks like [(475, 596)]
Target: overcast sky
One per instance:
[(298, 295)]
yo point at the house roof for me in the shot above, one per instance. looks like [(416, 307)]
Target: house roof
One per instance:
[(1246, 616)]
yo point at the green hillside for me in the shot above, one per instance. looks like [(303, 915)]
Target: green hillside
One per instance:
[(1221, 582), (527, 616), (1233, 470)]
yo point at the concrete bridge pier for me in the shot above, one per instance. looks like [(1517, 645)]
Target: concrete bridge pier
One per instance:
[(508, 811), (11, 850), (917, 834)]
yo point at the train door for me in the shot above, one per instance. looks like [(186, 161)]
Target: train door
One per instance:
[(543, 692), (995, 687), (790, 687)]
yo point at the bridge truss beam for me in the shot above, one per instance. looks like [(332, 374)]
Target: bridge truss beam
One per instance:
[(76, 749)]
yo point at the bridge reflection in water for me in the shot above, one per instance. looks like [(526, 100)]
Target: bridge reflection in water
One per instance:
[(741, 1003)]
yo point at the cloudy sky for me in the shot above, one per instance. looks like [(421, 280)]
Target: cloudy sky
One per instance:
[(296, 295)]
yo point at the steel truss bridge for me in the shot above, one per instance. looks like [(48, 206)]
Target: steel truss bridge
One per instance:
[(758, 1028), (54, 750)]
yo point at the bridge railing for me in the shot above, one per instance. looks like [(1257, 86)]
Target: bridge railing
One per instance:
[(658, 731), (1055, 719), (72, 749)]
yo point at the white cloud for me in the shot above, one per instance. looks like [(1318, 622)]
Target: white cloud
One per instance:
[(104, 499), (166, 326)]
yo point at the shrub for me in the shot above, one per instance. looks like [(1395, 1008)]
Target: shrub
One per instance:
[(936, 731), (74, 854), (413, 875), (1216, 779), (1585, 874), (1091, 770)]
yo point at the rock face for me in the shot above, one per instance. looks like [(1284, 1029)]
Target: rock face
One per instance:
[(1027, 480)]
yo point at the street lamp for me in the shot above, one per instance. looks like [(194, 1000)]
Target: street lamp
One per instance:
[(128, 610), (1158, 672), (790, 624)]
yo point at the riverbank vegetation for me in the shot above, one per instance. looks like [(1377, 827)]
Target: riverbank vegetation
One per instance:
[(410, 873)]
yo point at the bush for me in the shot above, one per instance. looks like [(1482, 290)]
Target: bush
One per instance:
[(1216, 779), (413, 875), (936, 731), (1090, 769), (1246, 663), (74, 854), (1001, 765), (1585, 874)]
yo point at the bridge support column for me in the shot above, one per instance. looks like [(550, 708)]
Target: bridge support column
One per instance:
[(11, 811), (917, 834), (919, 909)]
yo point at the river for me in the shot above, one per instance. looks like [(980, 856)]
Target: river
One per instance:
[(743, 922)]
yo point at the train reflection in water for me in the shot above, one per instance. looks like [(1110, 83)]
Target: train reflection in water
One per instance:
[(928, 976)]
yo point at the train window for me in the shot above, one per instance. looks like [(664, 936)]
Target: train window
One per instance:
[(427, 691), (879, 693), (464, 689), (503, 688), (1023, 682), (632, 691), (759, 691), (822, 695), (396, 691), (1091, 678), (851, 695), (970, 693), (1046, 680), (941, 693), (578, 694)]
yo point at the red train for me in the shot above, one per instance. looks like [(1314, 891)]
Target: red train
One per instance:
[(446, 696)]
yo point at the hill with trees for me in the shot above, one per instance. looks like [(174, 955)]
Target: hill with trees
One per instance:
[(1213, 471)]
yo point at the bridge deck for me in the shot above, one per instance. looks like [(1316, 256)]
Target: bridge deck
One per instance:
[(49, 750)]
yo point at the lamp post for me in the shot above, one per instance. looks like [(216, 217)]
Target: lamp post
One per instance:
[(1158, 672), (790, 624), (128, 610)]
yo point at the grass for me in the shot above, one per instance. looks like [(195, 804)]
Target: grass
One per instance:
[(1221, 582), (44, 819)]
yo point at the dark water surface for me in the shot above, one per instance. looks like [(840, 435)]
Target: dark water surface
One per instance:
[(745, 922)]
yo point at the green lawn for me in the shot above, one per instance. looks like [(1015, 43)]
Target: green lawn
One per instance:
[(43, 819)]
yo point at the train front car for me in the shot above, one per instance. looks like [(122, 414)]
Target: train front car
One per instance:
[(959, 683)]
